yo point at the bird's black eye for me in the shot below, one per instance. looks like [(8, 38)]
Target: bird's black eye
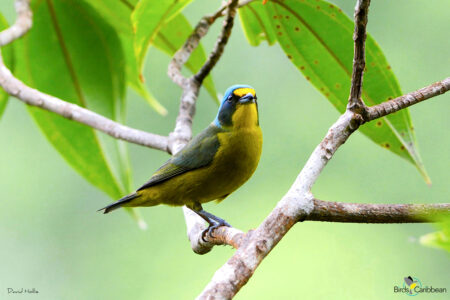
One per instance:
[(230, 98)]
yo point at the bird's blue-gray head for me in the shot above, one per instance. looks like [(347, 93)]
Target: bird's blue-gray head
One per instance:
[(238, 107)]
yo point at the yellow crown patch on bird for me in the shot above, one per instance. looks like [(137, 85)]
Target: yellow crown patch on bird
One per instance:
[(244, 91)]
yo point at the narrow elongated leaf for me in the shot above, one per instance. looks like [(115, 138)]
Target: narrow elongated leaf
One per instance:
[(317, 37), (74, 55), (8, 59)]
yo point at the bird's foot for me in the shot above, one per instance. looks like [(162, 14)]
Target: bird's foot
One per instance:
[(213, 225), (213, 221)]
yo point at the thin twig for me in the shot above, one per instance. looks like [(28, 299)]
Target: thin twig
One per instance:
[(221, 12), (221, 42), (21, 26), (355, 102), (375, 213), (391, 106), (183, 54)]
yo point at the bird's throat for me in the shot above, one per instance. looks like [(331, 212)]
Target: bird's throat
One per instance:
[(245, 116)]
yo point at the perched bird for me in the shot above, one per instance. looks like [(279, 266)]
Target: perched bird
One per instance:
[(212, 165)]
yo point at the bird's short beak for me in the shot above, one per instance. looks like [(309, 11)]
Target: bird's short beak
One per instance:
[(249, 98)]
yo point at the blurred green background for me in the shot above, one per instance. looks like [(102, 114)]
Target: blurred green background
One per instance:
[(53, 240)]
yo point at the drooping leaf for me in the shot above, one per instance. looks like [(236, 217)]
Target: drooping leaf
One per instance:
[(317, 37), (73, 54), (8, 59)]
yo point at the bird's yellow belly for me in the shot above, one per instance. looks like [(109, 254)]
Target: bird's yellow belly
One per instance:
[(233, 164)]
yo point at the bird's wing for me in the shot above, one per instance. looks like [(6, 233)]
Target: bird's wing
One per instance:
[(199, 152)]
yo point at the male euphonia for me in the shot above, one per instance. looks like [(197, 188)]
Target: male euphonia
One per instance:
[(212, 165)]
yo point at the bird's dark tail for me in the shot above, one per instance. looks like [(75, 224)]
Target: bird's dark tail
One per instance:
[(119, 203)]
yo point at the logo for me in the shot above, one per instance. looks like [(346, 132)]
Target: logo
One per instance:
[(412, 286)]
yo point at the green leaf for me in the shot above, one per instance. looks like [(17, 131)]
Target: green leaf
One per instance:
[(172, 36), (441, 238), (256, 24), (317, 37), (8, 59), (73, 54), (118, 15), (116, 12), (148, 18)]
